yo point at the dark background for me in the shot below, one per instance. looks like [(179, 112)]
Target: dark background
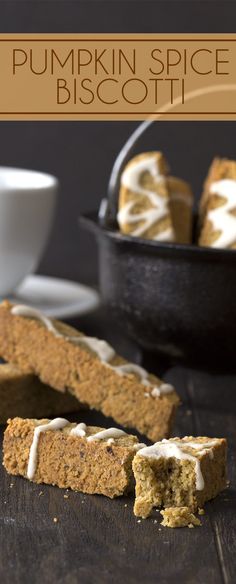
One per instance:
[(81, 154)]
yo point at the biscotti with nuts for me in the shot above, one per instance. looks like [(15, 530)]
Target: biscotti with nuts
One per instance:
[(83, 458)]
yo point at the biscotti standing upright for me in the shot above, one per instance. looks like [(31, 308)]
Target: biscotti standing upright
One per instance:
[(218, 206), (152, 204), (83, 458), (179, 472), (23, 394), (88, 368)]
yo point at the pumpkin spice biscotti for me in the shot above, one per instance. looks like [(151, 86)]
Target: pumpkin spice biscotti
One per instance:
[(218, 206), (180, 472), (152, 204), (83, 458), (88, 368), (23, 394)]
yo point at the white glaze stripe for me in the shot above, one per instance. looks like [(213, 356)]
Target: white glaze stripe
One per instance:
[(176, 449), (101, 348), (55, 424), (109, 433), (131, 180), (221, 217), (79, 430)]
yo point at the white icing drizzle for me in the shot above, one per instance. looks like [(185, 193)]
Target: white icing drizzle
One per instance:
[(176, 449), (131, 180), (56, 424), (164, 389), (105, 434), (220, 217), (101, 348), (79, 430), (139, 446), (133, 368)]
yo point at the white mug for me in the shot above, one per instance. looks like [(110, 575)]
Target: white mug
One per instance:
[(27, 204)]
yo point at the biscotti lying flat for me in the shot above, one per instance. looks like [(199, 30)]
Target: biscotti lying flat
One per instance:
[(179, 472), (218, 206), (152, 204), (87, 459), (88, 368), (23, 394)]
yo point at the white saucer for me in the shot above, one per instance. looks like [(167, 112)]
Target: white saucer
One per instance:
[(56, 298)]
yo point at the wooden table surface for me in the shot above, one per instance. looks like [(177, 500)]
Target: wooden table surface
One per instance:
[(97, 540)]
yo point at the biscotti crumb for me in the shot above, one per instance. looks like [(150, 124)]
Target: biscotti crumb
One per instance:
[(66, 496), (40, 493), (179, 517), (55, 519), (201, 511)]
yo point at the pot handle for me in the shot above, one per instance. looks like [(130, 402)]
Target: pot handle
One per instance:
[(108, 207)]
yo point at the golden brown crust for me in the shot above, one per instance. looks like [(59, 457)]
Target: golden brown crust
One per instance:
[(65, 366), (96, 467), (24, 395), (181, 208)]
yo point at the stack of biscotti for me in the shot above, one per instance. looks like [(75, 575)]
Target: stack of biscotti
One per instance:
[(23, 394), (88, 368), (152, 204), (179, 475), (218, 206)]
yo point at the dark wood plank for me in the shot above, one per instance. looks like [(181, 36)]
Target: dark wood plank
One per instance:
[(214, 408)]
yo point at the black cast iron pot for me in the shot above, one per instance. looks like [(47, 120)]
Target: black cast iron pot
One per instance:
[(177, 300)]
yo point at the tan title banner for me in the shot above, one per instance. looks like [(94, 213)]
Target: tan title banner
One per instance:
[(117, 76)]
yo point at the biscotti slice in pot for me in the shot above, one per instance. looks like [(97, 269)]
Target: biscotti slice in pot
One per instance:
[(218, 206), (88, 368), (152, 204), (179, 472), (23, 394), (83, 458)]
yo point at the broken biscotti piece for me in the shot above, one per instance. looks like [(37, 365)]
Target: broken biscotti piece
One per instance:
[(88, 368), (179, 517), (218, 206), (152, 204), (23, 394), (75, 456), (180, 472)]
